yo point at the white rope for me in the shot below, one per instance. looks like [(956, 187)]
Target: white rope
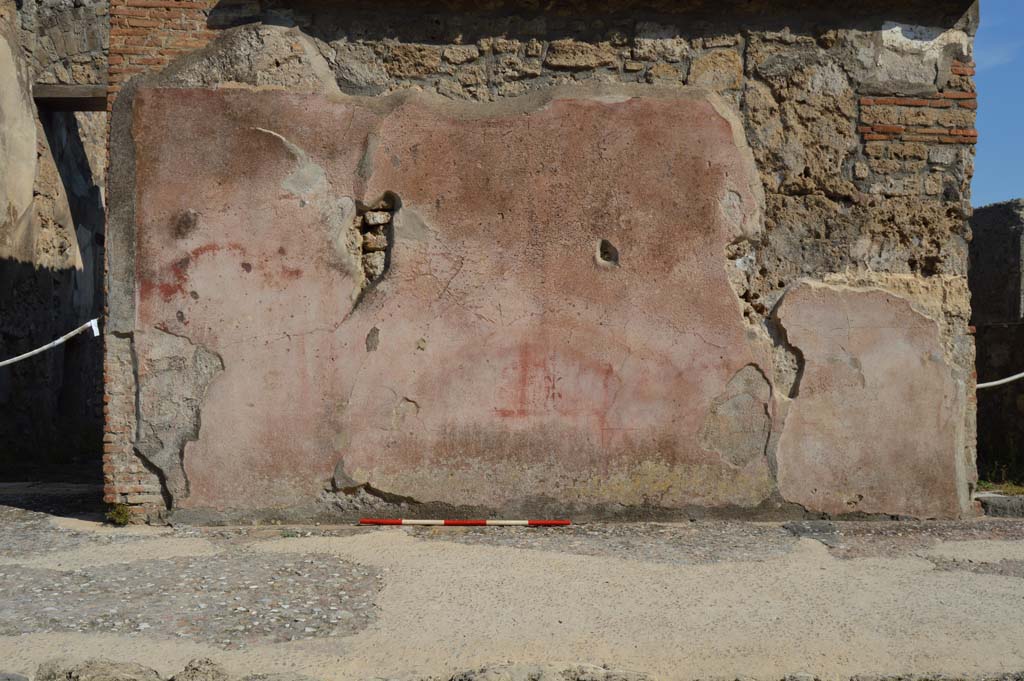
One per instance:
[(1001, 381), (91, 324), (94, 325)]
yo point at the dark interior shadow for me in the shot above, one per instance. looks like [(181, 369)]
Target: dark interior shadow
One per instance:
[(997, 314), (52, 403), (463, 21)]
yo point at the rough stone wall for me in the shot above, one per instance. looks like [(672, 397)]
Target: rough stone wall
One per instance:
[(51, 230), (861, 123), (998, 316), (66, 41)]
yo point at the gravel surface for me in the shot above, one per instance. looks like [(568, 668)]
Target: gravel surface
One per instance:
[(227, 600), (409, 602), (24, 533), (871, 539), (676, 543), (1004, 568)]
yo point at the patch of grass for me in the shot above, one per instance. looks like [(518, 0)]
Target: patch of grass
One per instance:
[(120, 515), (1009, 488)]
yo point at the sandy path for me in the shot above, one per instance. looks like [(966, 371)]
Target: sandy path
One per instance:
[(447, 607)]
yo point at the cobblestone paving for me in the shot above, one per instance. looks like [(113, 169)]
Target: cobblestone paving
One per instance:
[(227, 600), (24, 533), (867, 539), (678, 543), (232, 599), (238, 598)]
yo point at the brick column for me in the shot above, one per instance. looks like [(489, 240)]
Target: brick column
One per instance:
[(144, 35), (126, 478), (148, 34)]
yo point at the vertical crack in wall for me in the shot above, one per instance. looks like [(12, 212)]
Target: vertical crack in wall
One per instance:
[(165, 493), (787, 360)]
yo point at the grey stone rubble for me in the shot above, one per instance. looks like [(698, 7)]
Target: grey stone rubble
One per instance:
[(1002, 505), (204, 669)]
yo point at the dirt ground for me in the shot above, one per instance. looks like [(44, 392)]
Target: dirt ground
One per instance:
[(708, 599)]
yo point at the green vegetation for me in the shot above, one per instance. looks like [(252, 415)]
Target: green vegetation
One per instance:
[(1010, 488), (120, 515)]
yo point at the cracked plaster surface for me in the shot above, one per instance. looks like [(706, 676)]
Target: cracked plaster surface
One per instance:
[(513, 358)]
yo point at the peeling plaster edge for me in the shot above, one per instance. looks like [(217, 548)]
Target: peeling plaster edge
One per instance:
[(190, 434)]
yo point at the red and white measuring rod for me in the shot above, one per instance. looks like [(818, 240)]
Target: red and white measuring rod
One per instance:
[(406, 521)]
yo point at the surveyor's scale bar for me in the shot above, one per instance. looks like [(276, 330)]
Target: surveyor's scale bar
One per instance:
[(513, 523)]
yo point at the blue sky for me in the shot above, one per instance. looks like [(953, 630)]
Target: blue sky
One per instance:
[(999, 54)]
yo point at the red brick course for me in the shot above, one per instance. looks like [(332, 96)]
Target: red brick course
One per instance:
[(935, 134), (148, 34)]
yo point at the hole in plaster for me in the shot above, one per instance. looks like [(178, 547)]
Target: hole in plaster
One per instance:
[(607, 253), (184, 223), (377, 227), (928, 266)]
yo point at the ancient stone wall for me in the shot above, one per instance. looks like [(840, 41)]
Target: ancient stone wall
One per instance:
[(846, 267), (998, 315), (66, 41)]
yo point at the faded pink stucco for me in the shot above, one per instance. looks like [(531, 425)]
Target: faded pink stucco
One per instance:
[(877, 426), (511, 364)]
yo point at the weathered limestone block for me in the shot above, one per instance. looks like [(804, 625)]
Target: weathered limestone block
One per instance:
[(802, 113), (718, 70), (358, 69), (903, 58), (573, 54), (658, 41), (17, 145), (877, 423), (541, 330), (261, 56), (405, 61)]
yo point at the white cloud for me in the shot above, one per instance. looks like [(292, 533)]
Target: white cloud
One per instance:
[(990, 56)]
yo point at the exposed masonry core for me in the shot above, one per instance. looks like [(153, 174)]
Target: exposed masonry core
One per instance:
[(173, 380), (376, 225)]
